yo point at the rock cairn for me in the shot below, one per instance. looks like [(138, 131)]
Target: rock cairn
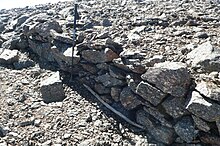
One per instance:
[(158, 61)]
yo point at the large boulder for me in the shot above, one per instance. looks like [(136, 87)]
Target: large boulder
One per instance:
[(197, 105), (205, 57), (169, 77), (52, 89)]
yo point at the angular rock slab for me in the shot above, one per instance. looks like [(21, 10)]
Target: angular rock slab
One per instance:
[(8, 56), (205, 57), (52, 89), (169, 77), (150, 93), (128, 99), (160, 133), (185, 129), (198, 106), (209, 89)]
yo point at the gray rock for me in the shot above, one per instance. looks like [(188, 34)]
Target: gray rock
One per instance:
[(11, 43), (169, 77), (135, 66), (160, 133), (120, 64), (41, 49), (155, 59), (175, 106), (208, 59), (158, 116), (109, 81), (128, 99), (61, 37), (94, 56), (23, 62), (106, 23), (150, 93), (116, 72), (202, 35), (115, 93), (114, 45), (102, 89), (52, 89), (65, 59), (43, 29), (209, 139), (185, 129), (198, 106), (209, 89), (201, 124), (90, 68), (8, 56)]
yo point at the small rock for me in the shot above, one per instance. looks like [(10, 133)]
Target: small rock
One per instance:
[(52, 89), (106, 23)]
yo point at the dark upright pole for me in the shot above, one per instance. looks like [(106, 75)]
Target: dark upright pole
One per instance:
[(74, 37)]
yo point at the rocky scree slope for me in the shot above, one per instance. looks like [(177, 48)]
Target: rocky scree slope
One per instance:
[(155, 62)]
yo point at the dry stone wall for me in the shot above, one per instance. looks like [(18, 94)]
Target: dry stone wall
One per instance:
[(164, 96)]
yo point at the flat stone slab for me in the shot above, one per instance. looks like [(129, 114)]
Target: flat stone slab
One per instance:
[(52, 89)]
